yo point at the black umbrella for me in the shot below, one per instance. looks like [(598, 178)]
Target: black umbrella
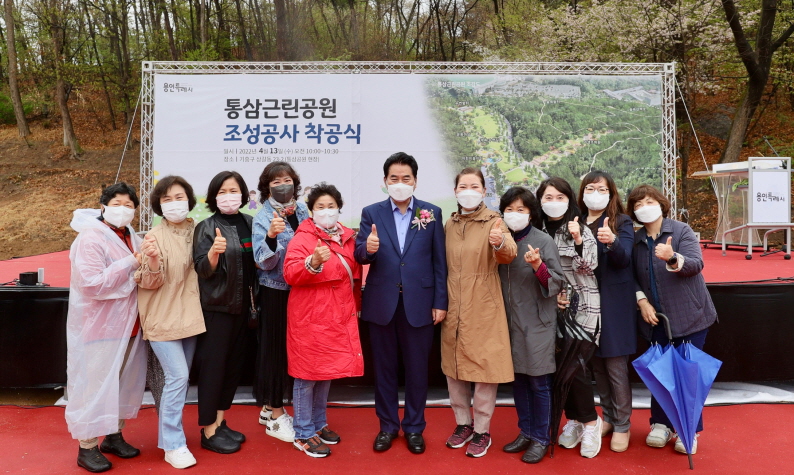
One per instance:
[(575, 347)]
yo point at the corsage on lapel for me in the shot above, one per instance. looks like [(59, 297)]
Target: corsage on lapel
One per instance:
[(423, 218)]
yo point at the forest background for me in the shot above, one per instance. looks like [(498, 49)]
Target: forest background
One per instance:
[(70, 76)]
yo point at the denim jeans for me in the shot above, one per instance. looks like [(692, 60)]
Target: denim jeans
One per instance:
[(532, 395), (698, 339), (309, 401), (175, 357)]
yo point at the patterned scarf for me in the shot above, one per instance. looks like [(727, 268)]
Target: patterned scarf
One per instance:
[(335, 234), (284, 210)]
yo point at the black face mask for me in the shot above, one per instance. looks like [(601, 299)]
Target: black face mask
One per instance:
[(283, 193)]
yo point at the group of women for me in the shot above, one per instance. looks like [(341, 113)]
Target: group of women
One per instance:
[(193, 291), (559, 251)]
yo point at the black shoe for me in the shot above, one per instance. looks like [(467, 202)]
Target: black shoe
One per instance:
[(383, 441), (519, 445), (116, 445), (230, 433), (93, 460), (416, 443), (534, 453), (219, 443)]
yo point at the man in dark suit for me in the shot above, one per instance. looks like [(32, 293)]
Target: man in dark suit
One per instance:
[(402, 239)]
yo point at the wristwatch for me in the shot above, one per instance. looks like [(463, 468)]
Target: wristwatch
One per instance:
[(673, 260)]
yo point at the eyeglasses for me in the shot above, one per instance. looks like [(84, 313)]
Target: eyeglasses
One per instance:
[(590, 189)]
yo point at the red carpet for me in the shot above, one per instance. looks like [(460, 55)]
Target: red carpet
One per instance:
[(730, 268), (733, 267), (56, 268), (737, 440)]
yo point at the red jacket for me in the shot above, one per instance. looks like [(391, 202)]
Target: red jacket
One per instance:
[(322, 323)]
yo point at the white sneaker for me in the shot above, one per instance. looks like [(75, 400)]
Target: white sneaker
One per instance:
[(591, 440), (571, 434), (679, 445), (180, 458), (281, 428), (659, 437), (264, 416)]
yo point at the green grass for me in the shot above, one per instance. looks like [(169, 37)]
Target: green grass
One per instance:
[(488, 124), (497, 147), (516, 176)]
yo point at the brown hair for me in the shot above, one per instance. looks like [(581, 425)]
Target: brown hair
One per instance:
[(470, 171), (165, 184), (614, 208), (644, 191), (271, 172)]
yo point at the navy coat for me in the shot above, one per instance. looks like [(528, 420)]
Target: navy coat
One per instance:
[(421, 268), (618, 299)]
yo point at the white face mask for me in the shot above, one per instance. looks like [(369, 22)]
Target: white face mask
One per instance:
[(595, 200), (326, 218), (516, 221), (555, 209), (118, 216), (175, 211), (401, 191), (648, 213), (229, 203), (469, 199)]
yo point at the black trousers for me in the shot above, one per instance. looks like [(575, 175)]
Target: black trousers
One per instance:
[(580, 405), (219, 355), (272, 384)]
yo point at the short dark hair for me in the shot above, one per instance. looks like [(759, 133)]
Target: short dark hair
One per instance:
[(165, 184), (400, 158), (120, 188), (321, 189), (526, 197), (272, 171), (565, 188), (215, 186), (644, 191)]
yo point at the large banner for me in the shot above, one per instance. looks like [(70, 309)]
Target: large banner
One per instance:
[(339, 128)]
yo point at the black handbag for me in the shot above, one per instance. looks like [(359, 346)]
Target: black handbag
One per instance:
[(253, 311)]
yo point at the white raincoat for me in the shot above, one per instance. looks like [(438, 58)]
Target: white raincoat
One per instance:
[(103, 308)]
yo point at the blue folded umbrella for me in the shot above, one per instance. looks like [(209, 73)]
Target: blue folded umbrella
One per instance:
[(680, 380), (707, 369)]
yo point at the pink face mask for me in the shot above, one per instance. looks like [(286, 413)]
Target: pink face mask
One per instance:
[(229, 203)]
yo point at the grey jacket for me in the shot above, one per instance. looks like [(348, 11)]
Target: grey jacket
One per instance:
[(532, 308), (683, 295)]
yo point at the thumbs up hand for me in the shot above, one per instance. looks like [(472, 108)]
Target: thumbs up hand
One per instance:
[(321, 254), (149, 247), (576, 230), (605, 235), (219, 245), (495, 237), (665, 251), (277, 226), (373, 243), (532, 257)]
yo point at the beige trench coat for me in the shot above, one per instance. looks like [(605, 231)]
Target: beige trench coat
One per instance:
[(475, 340)]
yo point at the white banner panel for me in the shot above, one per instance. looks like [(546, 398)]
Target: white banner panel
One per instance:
[(517, 128)]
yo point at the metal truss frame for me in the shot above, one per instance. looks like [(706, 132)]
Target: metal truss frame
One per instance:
[(150, 68)]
